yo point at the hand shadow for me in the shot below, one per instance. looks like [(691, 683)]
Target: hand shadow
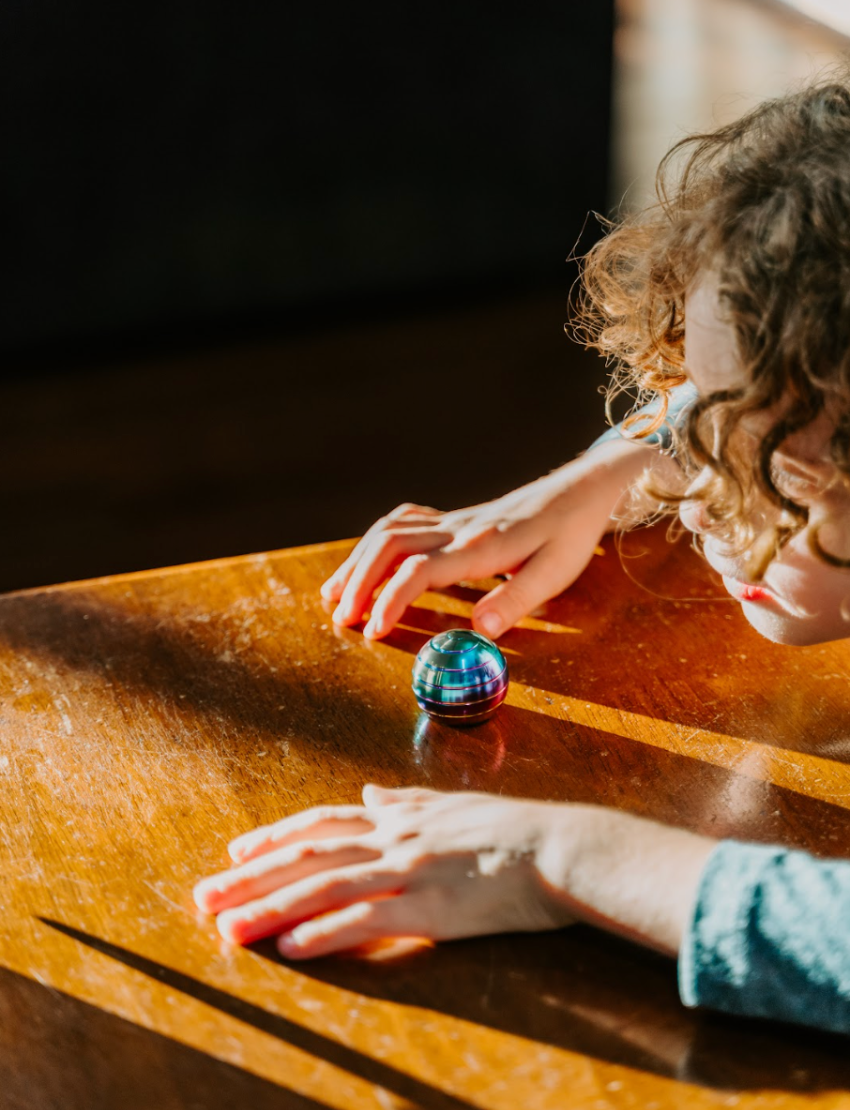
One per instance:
[(588, 992), (576, 989)]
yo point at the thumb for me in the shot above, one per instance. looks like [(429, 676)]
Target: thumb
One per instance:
[(543, 576)]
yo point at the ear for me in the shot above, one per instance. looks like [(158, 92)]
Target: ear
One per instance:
[(375, 796)]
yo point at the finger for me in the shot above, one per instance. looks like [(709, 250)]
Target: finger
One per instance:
[(280, 868), (380, 558), (542, 577), (416, 574), (406, 915), (351, 927), (332, 589), (375, 796), (286, 908), (309, 824), (471, 555)]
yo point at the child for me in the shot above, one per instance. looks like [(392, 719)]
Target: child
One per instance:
[(727, 305)]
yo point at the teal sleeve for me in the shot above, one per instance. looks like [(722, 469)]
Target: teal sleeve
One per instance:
[(680, 400), (770, 937)]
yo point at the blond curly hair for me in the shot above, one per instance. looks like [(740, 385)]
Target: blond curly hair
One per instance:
[(764, 203)]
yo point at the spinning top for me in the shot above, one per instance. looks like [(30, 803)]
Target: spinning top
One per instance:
[(460, 677)]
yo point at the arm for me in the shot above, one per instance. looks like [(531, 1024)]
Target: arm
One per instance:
[(661, 466), (542, 535), (759, 930)]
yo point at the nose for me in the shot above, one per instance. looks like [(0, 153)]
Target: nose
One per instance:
[(692, 514)]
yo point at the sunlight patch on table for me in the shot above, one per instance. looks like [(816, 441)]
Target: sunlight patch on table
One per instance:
[(811, 775)]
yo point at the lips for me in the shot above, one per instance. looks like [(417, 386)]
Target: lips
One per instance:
[(748, 591), (745, 592), (737, 587)]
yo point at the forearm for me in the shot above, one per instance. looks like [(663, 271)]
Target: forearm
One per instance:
[(636, 506), (758, 930), (613, 470), (625, 874), (651, 457)]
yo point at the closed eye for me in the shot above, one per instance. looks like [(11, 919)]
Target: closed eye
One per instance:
[(796, 482), (784, 474)]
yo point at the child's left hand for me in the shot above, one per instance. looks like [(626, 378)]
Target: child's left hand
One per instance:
[(407, 862)]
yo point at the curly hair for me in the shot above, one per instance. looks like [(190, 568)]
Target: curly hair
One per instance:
[(764, 204)]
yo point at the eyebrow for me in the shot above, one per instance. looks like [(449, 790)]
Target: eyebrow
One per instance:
[(804, 461), (813, 462), (816, 463)]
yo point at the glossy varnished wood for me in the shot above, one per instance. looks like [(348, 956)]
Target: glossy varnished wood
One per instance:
[(147, 719)]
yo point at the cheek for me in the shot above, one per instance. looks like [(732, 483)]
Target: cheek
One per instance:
[(821, 592), (833, 535), (825, 592)]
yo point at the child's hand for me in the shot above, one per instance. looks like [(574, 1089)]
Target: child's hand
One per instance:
[(406, 863), (543, 535), (418, 863)]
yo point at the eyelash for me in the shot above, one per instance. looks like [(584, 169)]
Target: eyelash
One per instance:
[(789, 480)]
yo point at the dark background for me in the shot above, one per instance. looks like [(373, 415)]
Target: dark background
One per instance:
[(269, 270)]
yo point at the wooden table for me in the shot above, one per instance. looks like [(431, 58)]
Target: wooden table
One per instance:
[(149, 718)]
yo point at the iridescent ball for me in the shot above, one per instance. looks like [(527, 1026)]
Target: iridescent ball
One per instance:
[(460, 677)]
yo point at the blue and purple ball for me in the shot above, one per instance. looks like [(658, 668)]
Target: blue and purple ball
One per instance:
[(460, 677)]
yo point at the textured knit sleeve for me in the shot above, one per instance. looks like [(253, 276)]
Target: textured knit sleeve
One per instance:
[(770, 937), (679, 402)]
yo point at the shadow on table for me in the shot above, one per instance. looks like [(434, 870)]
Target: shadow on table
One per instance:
[(240, 698), (526, 753), (59, 1053), (407, 1087), (578, 990), (210, 682), (591, 993)]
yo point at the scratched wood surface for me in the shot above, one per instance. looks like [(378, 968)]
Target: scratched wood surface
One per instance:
[(147, 719)]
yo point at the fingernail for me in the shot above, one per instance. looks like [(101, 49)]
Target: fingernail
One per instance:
[(340, 614), (371, 629), (287, 944), (228, 928), (238, 930), (201, 896), (491, 623)]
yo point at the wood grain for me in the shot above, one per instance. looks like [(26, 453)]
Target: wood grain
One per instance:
[(149, 718)]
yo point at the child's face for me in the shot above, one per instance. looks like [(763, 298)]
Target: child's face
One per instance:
[(801, 599)]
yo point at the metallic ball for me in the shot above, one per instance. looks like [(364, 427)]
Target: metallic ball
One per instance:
[(460, 677)]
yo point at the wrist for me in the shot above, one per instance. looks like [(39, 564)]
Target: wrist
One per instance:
[(623, 873)]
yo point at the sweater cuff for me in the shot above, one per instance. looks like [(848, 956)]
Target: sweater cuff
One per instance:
[(714, 960), (769, 936)]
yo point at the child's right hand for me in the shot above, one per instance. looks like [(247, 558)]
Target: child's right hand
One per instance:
[(543, 535)]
